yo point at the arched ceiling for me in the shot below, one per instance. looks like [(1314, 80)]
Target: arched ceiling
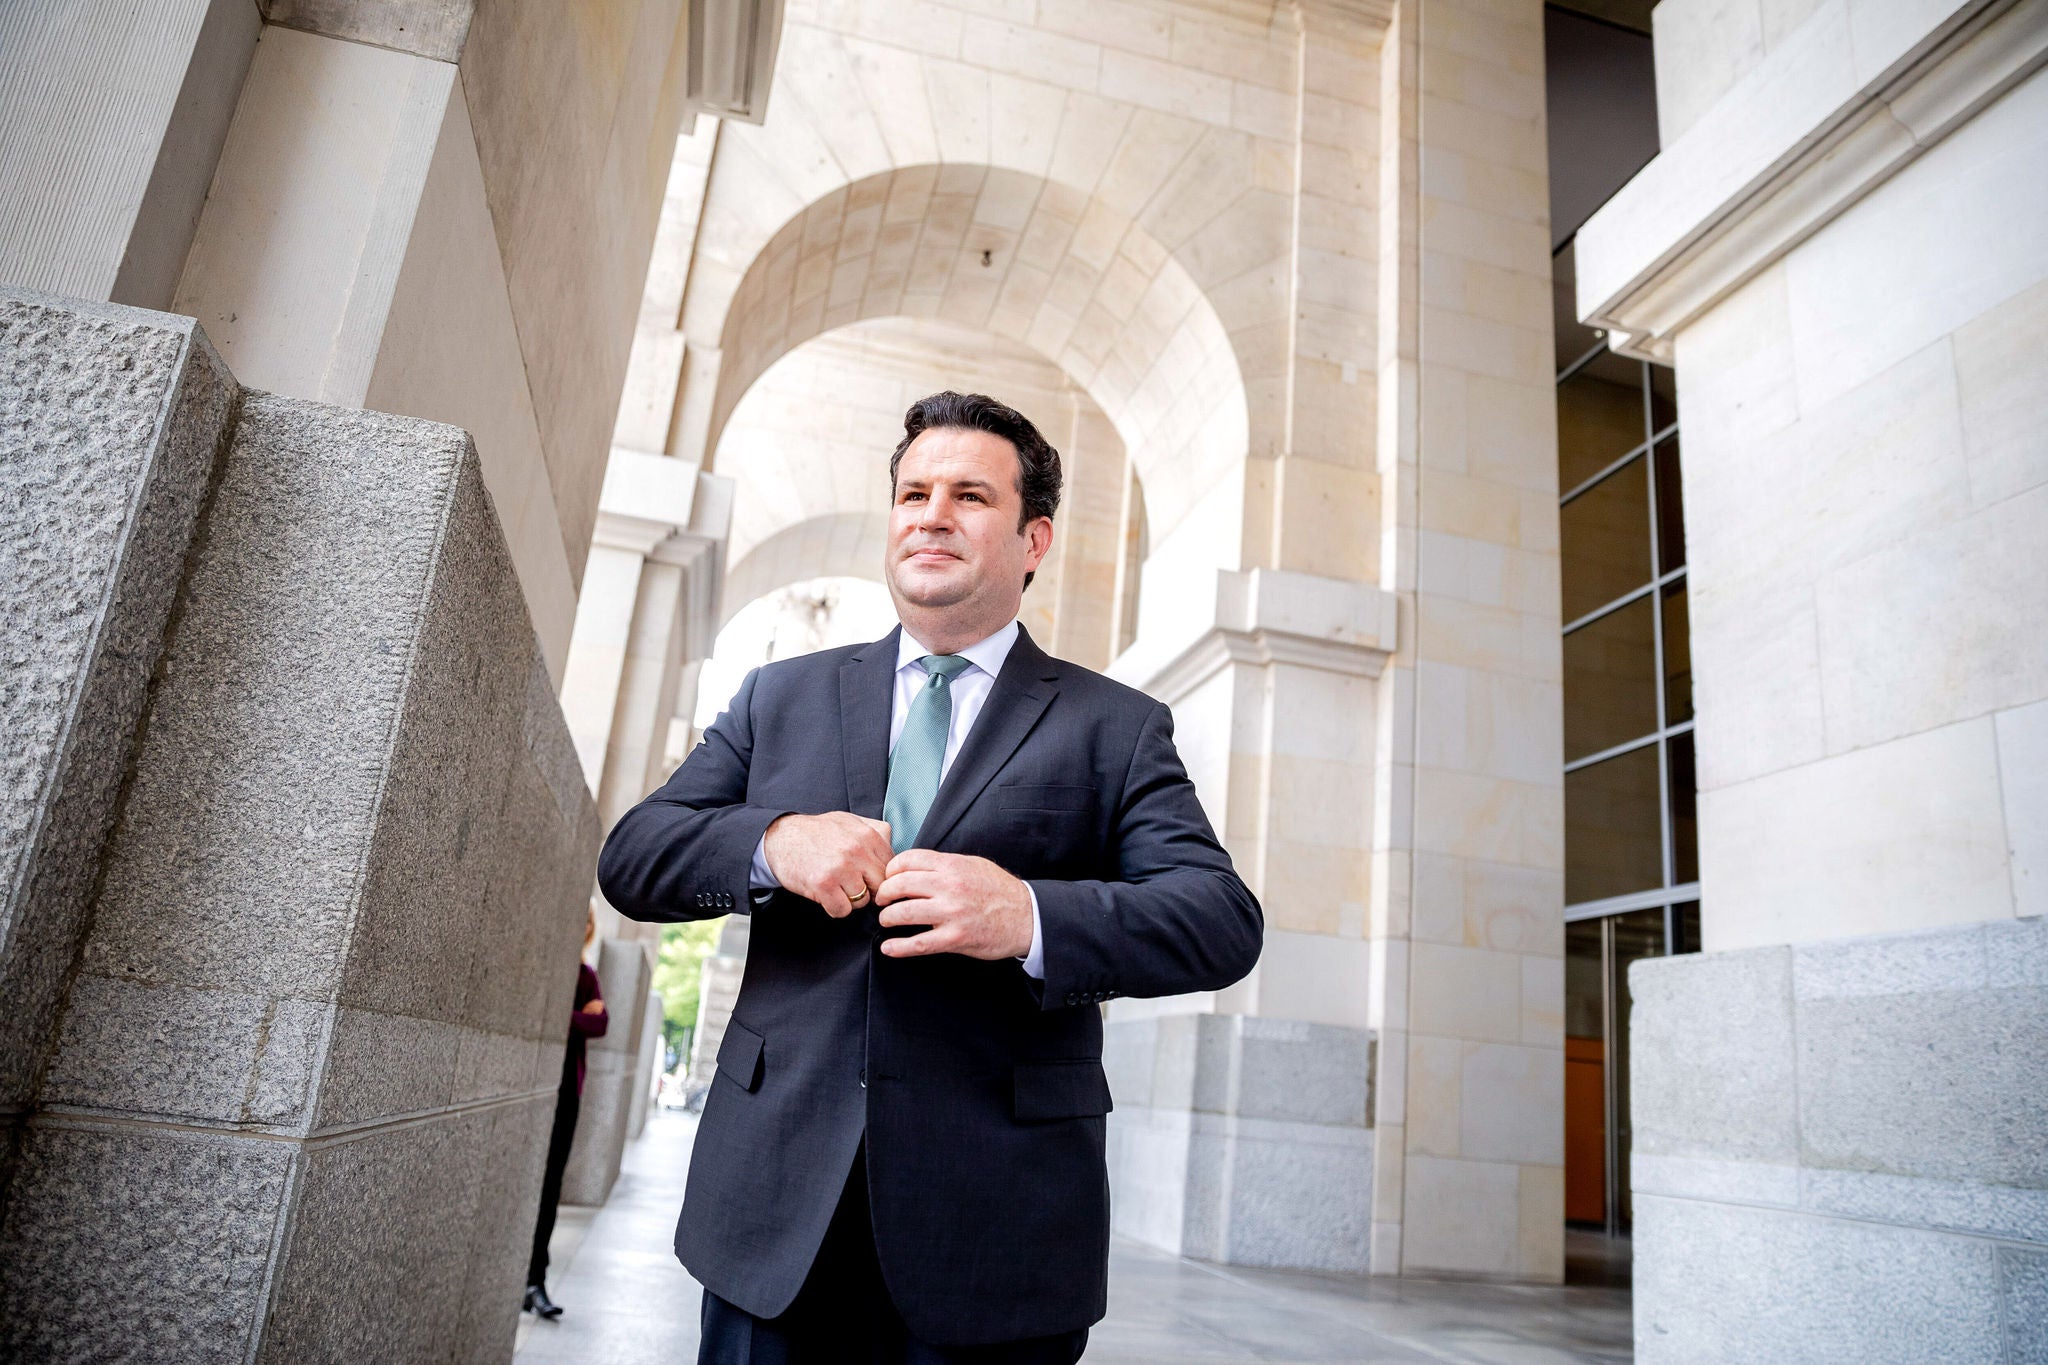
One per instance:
[(1031, 262), (808, 446)]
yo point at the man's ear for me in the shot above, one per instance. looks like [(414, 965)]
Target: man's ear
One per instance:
[(1039, 532)]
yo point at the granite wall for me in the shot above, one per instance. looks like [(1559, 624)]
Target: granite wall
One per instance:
[(111, 422), (1841, 1150), (297, 1094), (1241, 1139)]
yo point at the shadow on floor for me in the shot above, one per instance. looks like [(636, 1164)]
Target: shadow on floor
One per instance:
[(628, 1303)]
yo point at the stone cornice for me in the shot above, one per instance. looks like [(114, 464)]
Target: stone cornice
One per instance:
[(1692, 252), (1262, 617)]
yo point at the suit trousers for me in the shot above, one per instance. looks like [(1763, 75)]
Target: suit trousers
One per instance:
[(843, 1314)]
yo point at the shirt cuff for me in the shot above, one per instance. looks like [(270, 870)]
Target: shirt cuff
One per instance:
[(759, 878), (1034, 960)]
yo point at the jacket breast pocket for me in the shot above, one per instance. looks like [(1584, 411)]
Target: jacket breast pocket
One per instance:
[(1044, 798), (739, 1056), (1060, 1090)]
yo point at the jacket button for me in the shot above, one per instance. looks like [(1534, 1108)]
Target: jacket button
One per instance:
[(863, 1078)]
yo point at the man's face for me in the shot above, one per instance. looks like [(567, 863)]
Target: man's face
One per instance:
[(953, 534)]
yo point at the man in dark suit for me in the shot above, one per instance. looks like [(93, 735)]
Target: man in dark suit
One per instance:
[(954, 847)]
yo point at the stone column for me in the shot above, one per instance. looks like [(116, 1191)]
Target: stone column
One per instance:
[(1088, 540), (1840, 1108), (1466, 926), (311, 1036), (648, 1067), (115, 118), (610, 1075), (649, 608), (1241, 1131), (718, 991)]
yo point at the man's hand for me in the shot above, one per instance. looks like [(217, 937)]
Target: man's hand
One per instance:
[(974, 907), (835, 859)]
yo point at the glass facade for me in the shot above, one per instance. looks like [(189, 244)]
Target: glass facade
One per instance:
[(1631, 848)]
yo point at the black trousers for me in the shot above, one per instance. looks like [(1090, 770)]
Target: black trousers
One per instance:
[(567, 1103), (843, 1316)]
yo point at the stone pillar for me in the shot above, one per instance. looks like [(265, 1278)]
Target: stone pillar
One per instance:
[(610, 1076), (648, 1068), (1466, 923), (1271, 688), (311, 1037), (718, 991), (1838, 1106), (1087, 542), (649, 608), (115, 118)]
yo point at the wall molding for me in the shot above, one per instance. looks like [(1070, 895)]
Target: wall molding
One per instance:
[(1867, 140)]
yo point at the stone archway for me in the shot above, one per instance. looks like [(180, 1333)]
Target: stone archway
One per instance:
[(807, 448)]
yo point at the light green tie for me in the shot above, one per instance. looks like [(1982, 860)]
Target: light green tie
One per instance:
[(920, 753)]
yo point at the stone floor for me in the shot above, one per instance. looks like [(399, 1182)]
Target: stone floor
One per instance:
[(628, 1303)]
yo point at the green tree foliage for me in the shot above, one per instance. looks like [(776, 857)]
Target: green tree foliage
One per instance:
[(678, 972)]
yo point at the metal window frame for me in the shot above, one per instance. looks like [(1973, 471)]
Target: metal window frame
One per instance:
[(1670, 895)]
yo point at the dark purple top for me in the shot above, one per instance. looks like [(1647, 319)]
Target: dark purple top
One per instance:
[(584, 1026)]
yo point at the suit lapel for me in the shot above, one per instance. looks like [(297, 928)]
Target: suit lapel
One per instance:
[(866, 686), (1025, 687)]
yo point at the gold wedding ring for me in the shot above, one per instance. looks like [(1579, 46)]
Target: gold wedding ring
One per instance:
[(857, 897)]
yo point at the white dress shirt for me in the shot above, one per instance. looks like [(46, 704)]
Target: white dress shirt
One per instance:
[(969, 690)]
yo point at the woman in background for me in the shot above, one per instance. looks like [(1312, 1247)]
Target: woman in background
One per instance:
[(587, 1020)]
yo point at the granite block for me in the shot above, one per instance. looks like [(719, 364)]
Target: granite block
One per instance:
[(381, 1066), (2016, 953), (222, 1056), (111, 421), (1283, 1069), (1948, 1084), (1711, 1056), (339, 903), (440, 840), (2023, 1284), (1969, 1206), (116, 1238), (385, 1213), (1891, 964), (1147, 1155), (1128, 1049), (1254, 1148), (1279, 1193), (501, 1228), (242, 851), (1721, 1282)]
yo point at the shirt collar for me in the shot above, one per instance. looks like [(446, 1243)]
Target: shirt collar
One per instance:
[(986, 655)]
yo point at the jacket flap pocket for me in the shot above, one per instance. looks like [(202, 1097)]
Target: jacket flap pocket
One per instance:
[(1060, 1090), (739, 1056), (1035, 797)]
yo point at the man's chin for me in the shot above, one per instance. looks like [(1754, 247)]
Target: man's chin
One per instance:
[(931, 589)]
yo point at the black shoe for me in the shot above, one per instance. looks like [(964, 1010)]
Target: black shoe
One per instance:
[(537, 1301)]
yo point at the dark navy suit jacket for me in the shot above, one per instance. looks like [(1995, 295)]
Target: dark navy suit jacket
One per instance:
[(979, 1092)]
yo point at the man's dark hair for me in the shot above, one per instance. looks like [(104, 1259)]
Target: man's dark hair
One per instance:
[(1038, 464)]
